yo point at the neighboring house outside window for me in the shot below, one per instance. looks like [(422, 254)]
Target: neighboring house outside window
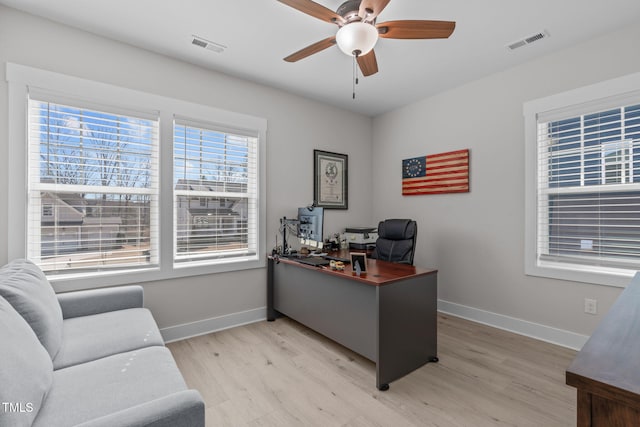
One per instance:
[(583, 215), (47, 210)]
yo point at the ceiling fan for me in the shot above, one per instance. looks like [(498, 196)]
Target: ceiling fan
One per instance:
[(358, 31)]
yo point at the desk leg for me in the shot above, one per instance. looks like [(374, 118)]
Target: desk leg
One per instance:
[(271, 312), (407, 327)]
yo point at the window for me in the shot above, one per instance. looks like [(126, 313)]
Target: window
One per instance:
[(215, 188), (584, 215), (124, 186), (93, 176), (589, 198)]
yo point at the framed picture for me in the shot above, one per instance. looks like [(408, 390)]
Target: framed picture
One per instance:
[(330, 180), (359, 258)]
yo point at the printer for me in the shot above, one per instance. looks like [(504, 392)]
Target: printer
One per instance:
[(361, 237)]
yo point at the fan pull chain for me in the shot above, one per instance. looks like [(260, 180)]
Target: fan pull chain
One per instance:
[(355, 75)]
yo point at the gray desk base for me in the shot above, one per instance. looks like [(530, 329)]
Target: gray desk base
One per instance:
[(394, 325)]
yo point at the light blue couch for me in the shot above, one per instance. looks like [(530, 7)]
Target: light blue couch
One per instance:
[(87, 358)]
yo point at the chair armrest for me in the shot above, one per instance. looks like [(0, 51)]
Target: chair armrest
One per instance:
[(185, 408), (94, 301)]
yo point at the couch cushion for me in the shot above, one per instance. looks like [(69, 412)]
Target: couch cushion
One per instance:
[(94, 389), (92, 337), (26, 371), (25, 286)]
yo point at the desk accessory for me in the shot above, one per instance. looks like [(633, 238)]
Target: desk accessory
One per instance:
[(358, 262)]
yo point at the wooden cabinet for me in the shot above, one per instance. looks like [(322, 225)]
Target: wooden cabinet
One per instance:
[(606, 371)]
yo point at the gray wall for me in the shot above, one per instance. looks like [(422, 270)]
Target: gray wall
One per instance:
[(476, 240), (295, 127)]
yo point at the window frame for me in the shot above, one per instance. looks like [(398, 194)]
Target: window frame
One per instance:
[(607, 94), (21, 78)]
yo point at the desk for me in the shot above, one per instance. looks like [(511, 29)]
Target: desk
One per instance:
[(606, 371), (387, 315)]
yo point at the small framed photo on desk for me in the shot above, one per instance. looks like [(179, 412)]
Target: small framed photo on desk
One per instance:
[(358, 259)]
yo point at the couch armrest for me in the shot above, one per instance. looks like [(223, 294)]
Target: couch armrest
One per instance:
[(185, 408), (94, 301)]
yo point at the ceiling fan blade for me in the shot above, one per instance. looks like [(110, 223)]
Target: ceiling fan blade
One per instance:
[(369, 9), (368, 64), (416, 29), (311, 49), (314, 9)]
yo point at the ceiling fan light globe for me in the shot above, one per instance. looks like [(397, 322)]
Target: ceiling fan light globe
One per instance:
[(357, 37)]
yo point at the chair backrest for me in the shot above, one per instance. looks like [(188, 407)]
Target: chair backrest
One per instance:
[(396, 240)]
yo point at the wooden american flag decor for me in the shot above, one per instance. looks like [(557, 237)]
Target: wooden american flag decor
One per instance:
[(436, 174)]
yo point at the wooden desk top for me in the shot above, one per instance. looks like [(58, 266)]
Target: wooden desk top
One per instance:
[(608, 365), (379, 273)]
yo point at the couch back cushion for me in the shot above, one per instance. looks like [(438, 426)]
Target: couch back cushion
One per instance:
[(26, 288), (26, 371)]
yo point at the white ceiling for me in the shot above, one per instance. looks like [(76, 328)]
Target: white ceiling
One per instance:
[(259, 33)]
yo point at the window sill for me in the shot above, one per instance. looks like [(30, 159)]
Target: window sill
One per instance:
[(75, 282), (616, 277)]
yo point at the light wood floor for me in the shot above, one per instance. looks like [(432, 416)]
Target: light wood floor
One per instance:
[(283, 374)]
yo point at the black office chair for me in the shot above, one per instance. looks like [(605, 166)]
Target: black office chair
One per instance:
[(396, 241)]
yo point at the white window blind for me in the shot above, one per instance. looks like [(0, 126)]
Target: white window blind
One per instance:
[(588, 188), (92, 188), (215, 193)]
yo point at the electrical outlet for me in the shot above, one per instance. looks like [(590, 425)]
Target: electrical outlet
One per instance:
[(590, 306)]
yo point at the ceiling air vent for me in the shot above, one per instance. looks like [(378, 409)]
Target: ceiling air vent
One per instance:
[(528, 40), (208, 44)]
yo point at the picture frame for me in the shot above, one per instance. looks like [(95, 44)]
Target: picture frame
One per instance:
[(330, 180), (361, 259)]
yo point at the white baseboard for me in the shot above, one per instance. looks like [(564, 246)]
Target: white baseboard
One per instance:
[(530, 329), (214, 324)]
